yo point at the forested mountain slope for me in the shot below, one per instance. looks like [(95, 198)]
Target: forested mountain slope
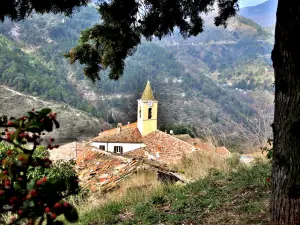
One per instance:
[(263, 14), (210, 82)]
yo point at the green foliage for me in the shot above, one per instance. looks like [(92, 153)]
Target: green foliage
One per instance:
[(180, 129), (106, 45), (269, 150), (34, 65), (30, 186)]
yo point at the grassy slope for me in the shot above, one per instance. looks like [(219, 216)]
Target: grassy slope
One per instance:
[(238, 197), (75, 124)]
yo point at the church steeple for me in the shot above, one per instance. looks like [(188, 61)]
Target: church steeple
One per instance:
[(147, 111), (148, 93)]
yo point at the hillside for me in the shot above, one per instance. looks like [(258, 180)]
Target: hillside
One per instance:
[(263, 14), (74, 124), (213, 82), (239, 197)]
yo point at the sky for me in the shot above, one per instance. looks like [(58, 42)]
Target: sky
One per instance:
[(245, 3)]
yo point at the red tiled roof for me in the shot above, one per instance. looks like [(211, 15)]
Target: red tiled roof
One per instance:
[(137, 153), (198, 144), (169, 148), (128, 134), (222, 151), (99, 170)]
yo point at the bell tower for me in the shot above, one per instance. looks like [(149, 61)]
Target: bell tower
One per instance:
[(147, 112)]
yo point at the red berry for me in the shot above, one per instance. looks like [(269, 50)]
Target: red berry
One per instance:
[(21, 158), (57, 205), (20, 179), (33, 193), (41, 181), (47, 210), (7, 182), (20, 212), (268, 179), (32, 109), (66, 204), (51, 139), (2, 192), (10, 123), (9, 152), (53, 216), (5, 172)]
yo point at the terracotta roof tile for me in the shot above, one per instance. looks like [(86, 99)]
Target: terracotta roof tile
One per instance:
[(197, 143), (137, 153), (166, 148), (128, 134), (222, 151), (99, 170)]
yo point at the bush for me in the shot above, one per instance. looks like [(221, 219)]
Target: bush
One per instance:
[(31, 188)]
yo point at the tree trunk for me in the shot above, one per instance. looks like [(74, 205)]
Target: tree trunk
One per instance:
[(285, 203)]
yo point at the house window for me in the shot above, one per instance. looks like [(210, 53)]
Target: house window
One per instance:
[(118, 149), (149, 113), (102, 147)]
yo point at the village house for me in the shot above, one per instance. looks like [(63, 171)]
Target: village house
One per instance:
[(142, 138)]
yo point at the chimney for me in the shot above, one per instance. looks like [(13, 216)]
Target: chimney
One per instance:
[(119, 127), (171, 132), (128, 123)]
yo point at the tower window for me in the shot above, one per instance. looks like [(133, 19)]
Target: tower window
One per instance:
[(149, 113), (140, 112)]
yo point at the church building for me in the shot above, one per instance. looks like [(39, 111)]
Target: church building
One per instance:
[(142, 138)]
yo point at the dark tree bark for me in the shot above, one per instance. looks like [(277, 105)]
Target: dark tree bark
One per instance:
[(285, 202)]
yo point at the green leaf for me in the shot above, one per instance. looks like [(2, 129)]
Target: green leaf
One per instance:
[(30, 185), (30, 115), (35, 126), (71, 214), (45, 111)]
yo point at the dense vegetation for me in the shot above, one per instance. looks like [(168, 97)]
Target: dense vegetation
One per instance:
[(193, 79), (33, 63), (31, 190)]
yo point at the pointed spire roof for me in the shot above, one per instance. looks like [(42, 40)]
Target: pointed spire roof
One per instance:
[(147, 94)]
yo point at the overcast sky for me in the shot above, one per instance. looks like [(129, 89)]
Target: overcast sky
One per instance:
[(244, 3)]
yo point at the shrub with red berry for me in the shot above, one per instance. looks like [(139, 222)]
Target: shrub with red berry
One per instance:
[(30, 197)]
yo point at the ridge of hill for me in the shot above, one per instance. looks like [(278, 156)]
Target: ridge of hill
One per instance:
[(75, 125), (263, 14)]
